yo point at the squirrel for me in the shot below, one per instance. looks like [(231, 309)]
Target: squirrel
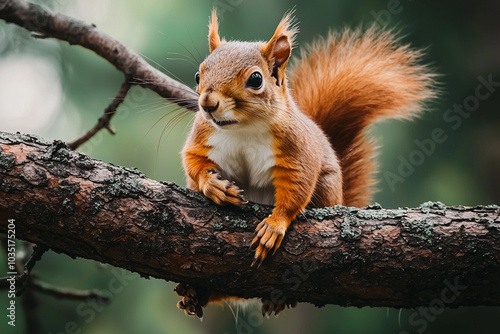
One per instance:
[(294, 140)]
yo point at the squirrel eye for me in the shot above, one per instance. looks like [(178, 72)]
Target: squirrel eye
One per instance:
[(197, 77), (255, 80)]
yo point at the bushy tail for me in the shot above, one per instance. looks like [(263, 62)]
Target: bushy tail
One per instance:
[(348, 81)]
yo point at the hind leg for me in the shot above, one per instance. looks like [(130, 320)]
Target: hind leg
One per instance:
[(194, 299), (272, 305), (328, 191)]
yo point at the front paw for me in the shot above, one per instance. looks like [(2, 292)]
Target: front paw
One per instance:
[(222, 192), (269, 235)]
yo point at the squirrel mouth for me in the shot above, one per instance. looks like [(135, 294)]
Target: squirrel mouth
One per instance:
[(223, 122)]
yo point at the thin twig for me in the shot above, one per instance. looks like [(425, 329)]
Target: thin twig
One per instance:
[(67, 293), (38, 251), (103, 122), (22, 279), (47, 24)]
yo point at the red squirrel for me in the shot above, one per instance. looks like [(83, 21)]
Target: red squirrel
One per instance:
[(294, 140)]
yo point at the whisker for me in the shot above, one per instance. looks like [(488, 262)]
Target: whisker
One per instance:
[(157, 102), (190, 53), (144, 83), (170, 73), (163, 102), (154, 125), (186, 49), (161, 118), (194, 44), (148, 110), (153, 61), (173, 121), (189, 124), (181, 117), (141, 82), (183, 59)]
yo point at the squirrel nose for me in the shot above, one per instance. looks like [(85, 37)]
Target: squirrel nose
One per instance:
[(210, 109)]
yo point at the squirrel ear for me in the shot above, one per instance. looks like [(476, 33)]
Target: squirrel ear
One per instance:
[(213, 32), (279, 48)]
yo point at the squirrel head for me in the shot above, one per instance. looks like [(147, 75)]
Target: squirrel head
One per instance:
[(242, 82)]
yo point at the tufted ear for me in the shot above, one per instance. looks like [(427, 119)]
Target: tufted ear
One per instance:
[(213, 32), (279, 48)]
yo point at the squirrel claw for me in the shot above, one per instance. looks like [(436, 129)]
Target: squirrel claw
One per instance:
[(222, 192), (193, 299), (269, 235), (269, 306)]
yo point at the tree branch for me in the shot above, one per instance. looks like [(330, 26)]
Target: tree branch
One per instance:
[(345, 256), (137, 71), (67, 293), (23, 279), (36, 18), (103, 122)]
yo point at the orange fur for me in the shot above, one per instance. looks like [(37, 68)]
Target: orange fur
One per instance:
[(279, 48), (348, 81), (202, 173), (317, 154), (214, 40)]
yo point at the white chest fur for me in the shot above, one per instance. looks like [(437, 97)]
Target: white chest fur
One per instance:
[(246, 157)]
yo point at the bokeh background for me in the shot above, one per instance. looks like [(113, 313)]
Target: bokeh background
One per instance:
[(59, 91)]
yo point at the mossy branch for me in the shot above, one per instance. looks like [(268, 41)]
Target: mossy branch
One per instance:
[(346, 256)]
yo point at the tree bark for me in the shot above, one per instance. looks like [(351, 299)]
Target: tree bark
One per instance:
[(344, 256)]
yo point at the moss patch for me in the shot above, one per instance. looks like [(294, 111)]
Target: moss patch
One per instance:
[(7, 161), (350, 226), (123, 186), (419, 230), (240, 223), (433, 207), (380, 214), (326, 213), (217, 226)]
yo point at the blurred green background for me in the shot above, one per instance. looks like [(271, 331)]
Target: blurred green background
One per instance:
[(59, 91)]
